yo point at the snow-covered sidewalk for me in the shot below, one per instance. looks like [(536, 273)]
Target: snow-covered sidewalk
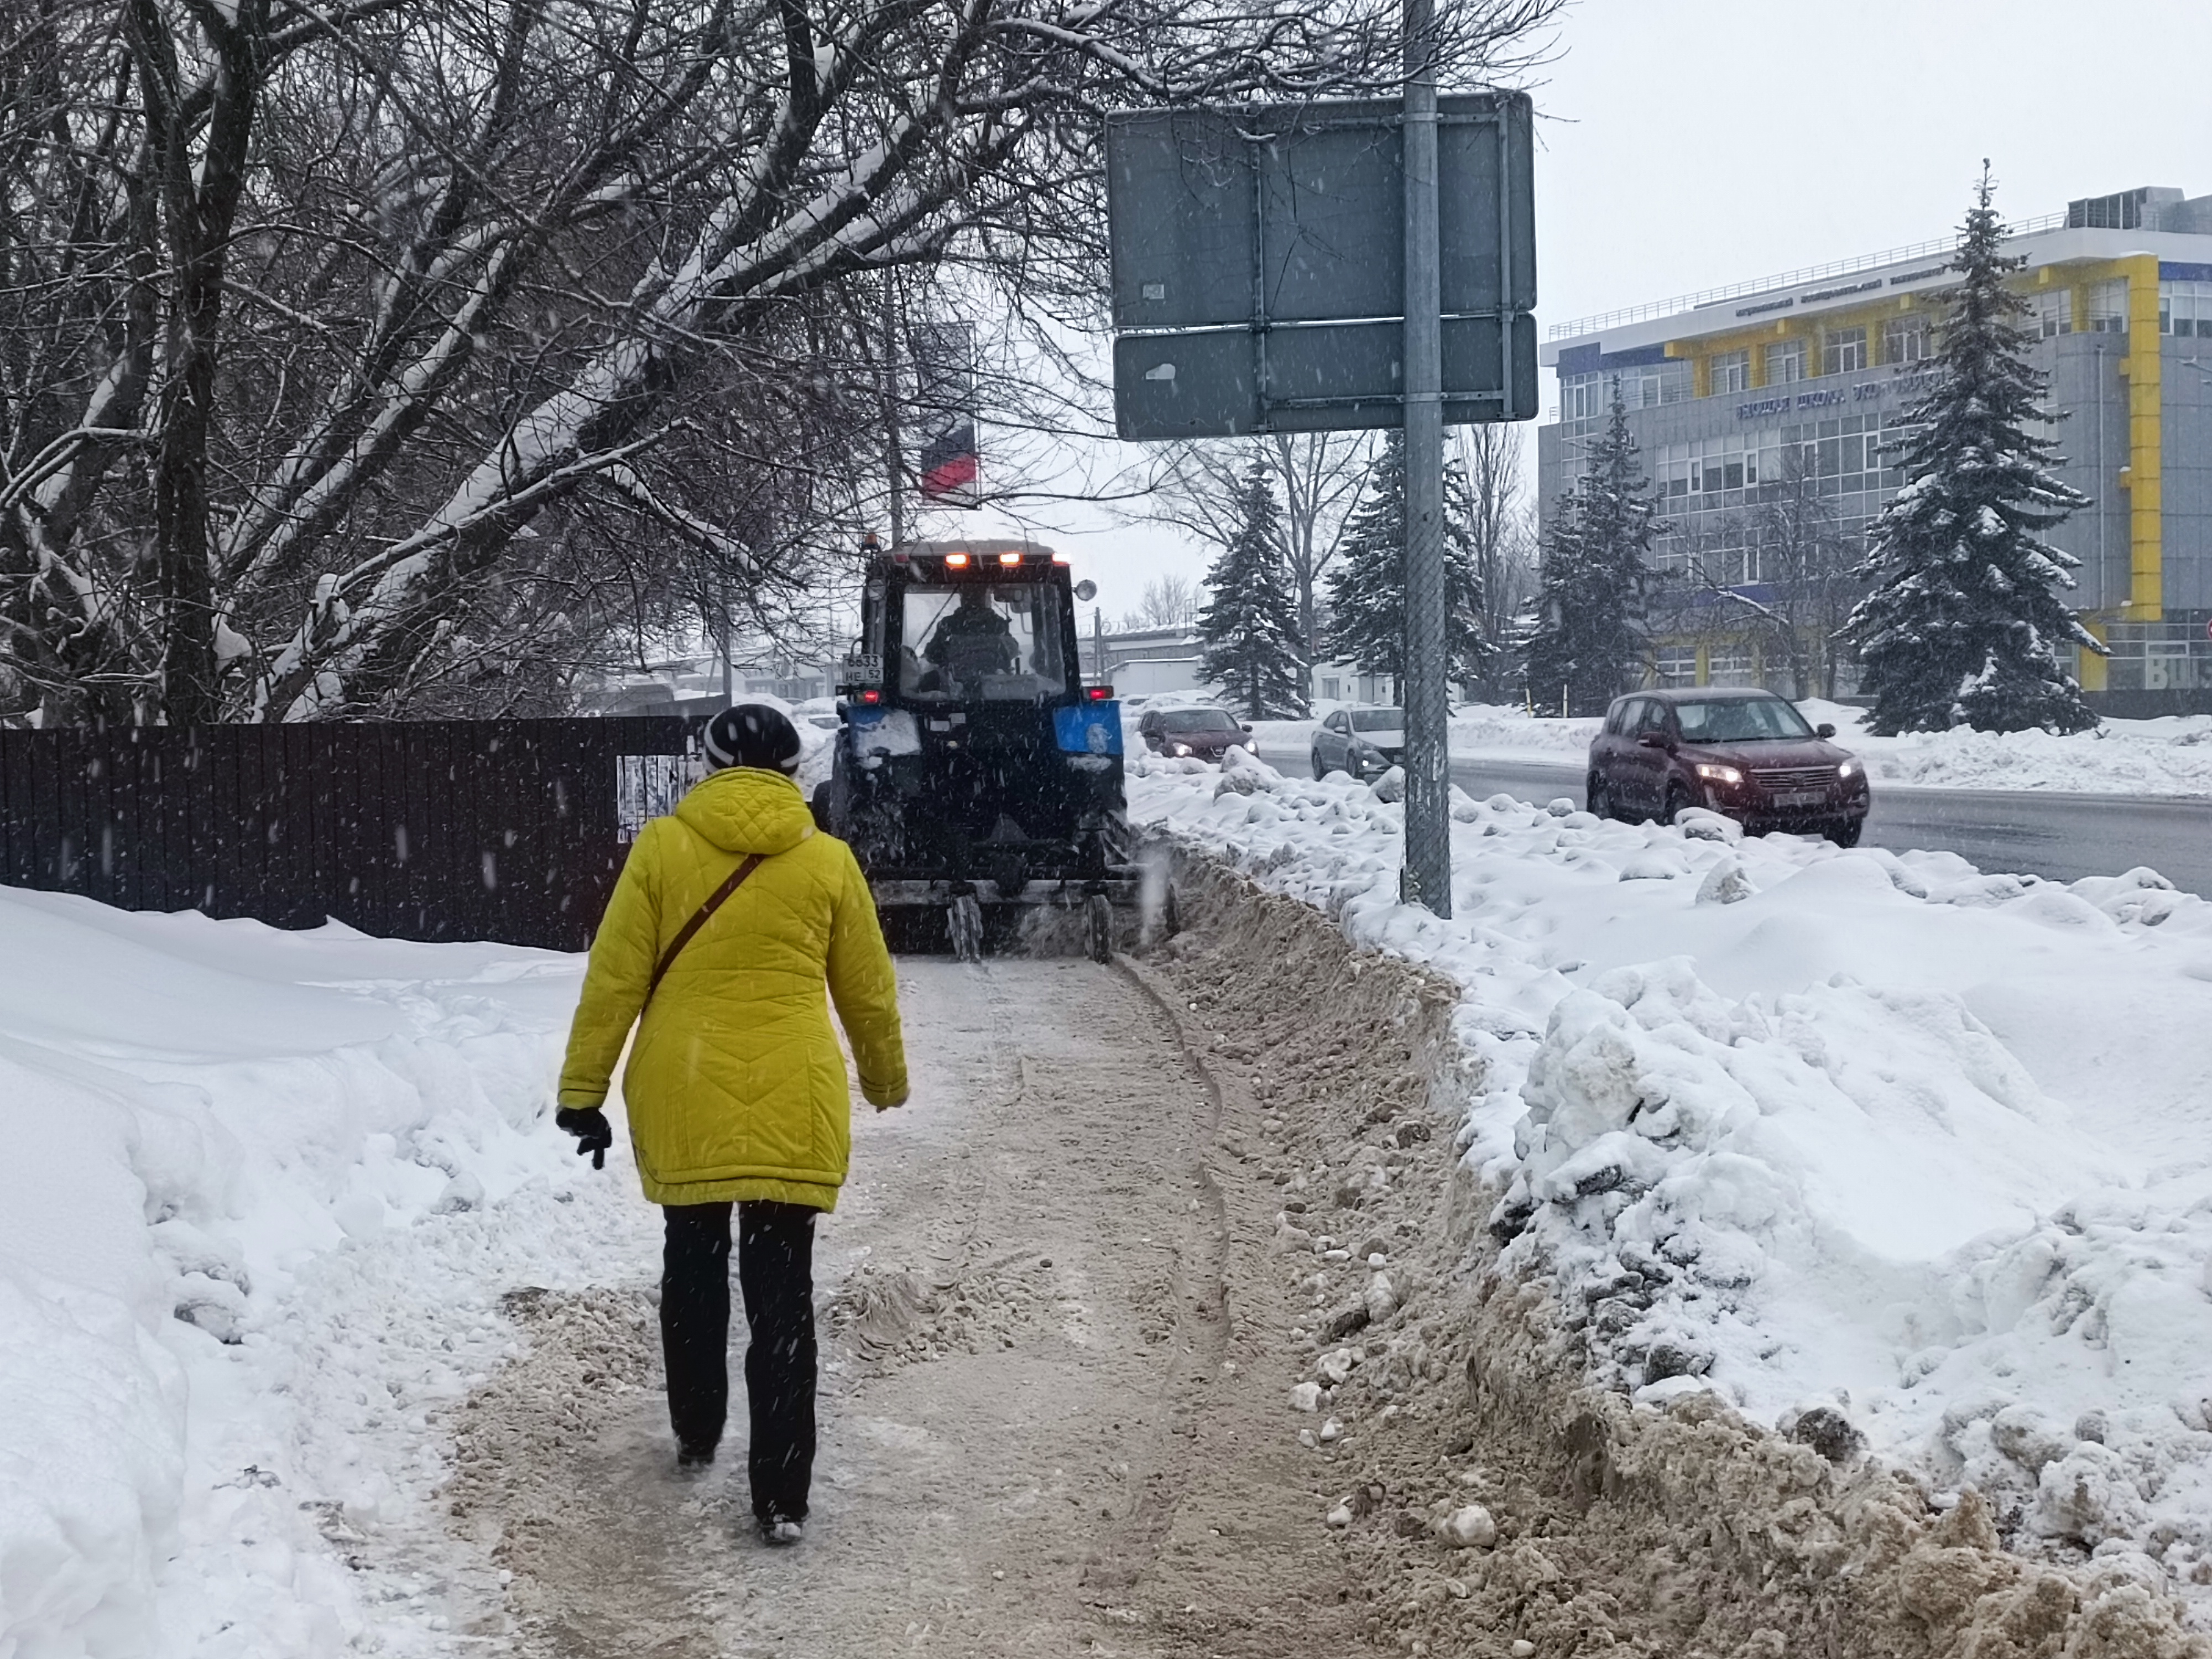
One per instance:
[(319, 1340), (1884, 1134), (2166, 757)]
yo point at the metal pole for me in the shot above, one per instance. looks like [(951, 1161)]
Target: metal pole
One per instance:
[(729, 666), (1426, 879), (891, 413)]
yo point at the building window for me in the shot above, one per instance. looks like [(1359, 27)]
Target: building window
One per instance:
[(1905, 340), (1730, 373), (1655, 384), (1675, 665), (1844, 351), (2054, 312), (1785, 362), (2184, 309), (1730, 665), (1331, 687), (2107, 307)]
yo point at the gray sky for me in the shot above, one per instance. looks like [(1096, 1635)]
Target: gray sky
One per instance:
[(1684, 145)]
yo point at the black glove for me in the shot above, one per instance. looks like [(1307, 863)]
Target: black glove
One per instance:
[(594, 1134)]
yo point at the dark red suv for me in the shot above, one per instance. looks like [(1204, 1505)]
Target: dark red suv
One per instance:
[(1199, 730), (1747, 754)]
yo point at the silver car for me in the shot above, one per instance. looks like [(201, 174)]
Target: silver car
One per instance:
[(1364, 741)]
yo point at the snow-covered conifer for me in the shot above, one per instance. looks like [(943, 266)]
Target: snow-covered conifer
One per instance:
[(1588, 645), (1963, 623), (1250, 626), (1367, 587)]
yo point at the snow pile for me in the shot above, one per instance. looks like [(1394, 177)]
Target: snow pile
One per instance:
[(2171, 756), (1508, 729), (262, 1190), (1919, 1149)]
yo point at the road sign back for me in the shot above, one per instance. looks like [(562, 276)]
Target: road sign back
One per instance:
[(1281, 224)]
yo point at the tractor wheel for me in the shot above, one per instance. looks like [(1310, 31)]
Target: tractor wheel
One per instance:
[(965, 921), (1098, 927)]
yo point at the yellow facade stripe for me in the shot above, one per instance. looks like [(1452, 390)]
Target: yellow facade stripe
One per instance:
[(2146, 443), (2090, 669)]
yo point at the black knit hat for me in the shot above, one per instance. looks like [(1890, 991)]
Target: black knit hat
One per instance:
[(753, 734)]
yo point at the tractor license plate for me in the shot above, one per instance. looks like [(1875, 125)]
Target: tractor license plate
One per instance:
[(1801, 797)]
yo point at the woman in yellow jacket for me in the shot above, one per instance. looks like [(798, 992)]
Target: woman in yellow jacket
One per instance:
[(728, 917)]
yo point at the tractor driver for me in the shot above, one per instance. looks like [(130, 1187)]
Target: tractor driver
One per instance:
[(974, 639)]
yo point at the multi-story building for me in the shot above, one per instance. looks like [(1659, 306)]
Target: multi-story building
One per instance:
[(1799, 383)]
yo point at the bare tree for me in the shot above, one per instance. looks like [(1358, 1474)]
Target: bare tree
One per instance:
[(381, 355), (1201, 485), (1168, 602), (1780, 572), (1502, 539)]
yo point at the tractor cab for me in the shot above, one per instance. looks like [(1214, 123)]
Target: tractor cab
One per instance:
[(975, 768)]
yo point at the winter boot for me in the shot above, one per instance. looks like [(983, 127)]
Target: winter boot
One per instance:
[(779, 1532)]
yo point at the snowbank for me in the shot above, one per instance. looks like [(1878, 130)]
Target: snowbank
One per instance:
[(2166, 757), (1878, 1135), (1477, 731), (260, 1192)]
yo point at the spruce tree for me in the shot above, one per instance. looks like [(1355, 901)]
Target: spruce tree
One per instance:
[(1962, 623), (1367, 584), (1250, 626), (1588, 643)]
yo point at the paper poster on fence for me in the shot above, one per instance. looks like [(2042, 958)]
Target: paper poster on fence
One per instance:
[(647, 787)]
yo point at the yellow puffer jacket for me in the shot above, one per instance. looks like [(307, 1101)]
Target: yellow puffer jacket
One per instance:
[(735, 1086)]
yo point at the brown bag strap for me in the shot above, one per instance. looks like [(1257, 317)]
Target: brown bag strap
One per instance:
[(737, 879)]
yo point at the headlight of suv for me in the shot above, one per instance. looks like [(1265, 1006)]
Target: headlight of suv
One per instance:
[(1179, 748), (1849, 769), (1715, 773)]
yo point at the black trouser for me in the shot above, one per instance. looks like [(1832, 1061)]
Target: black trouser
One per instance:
[(776, 1271)]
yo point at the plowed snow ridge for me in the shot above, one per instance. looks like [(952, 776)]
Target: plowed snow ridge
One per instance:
[(1876, 1136)]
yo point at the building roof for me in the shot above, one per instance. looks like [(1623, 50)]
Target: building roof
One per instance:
[(2175, 230)]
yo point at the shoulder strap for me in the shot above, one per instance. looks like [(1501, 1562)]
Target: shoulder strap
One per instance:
[(699, 917)]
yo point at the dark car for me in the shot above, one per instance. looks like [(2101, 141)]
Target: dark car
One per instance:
[(1747, 754), (1201, 734), (1364, 741)]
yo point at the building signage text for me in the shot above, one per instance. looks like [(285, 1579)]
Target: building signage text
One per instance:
[(1838, 292), (1907, 385), (1761, 408)]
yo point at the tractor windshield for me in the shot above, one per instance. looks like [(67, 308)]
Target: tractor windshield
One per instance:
[(976, 641)]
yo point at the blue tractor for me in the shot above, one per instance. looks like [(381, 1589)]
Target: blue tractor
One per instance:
[(977, 777)]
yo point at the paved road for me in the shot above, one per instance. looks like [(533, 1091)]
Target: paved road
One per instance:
[(2061, 837)]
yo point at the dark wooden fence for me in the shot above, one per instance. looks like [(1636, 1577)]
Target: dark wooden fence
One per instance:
[(511, 830)]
